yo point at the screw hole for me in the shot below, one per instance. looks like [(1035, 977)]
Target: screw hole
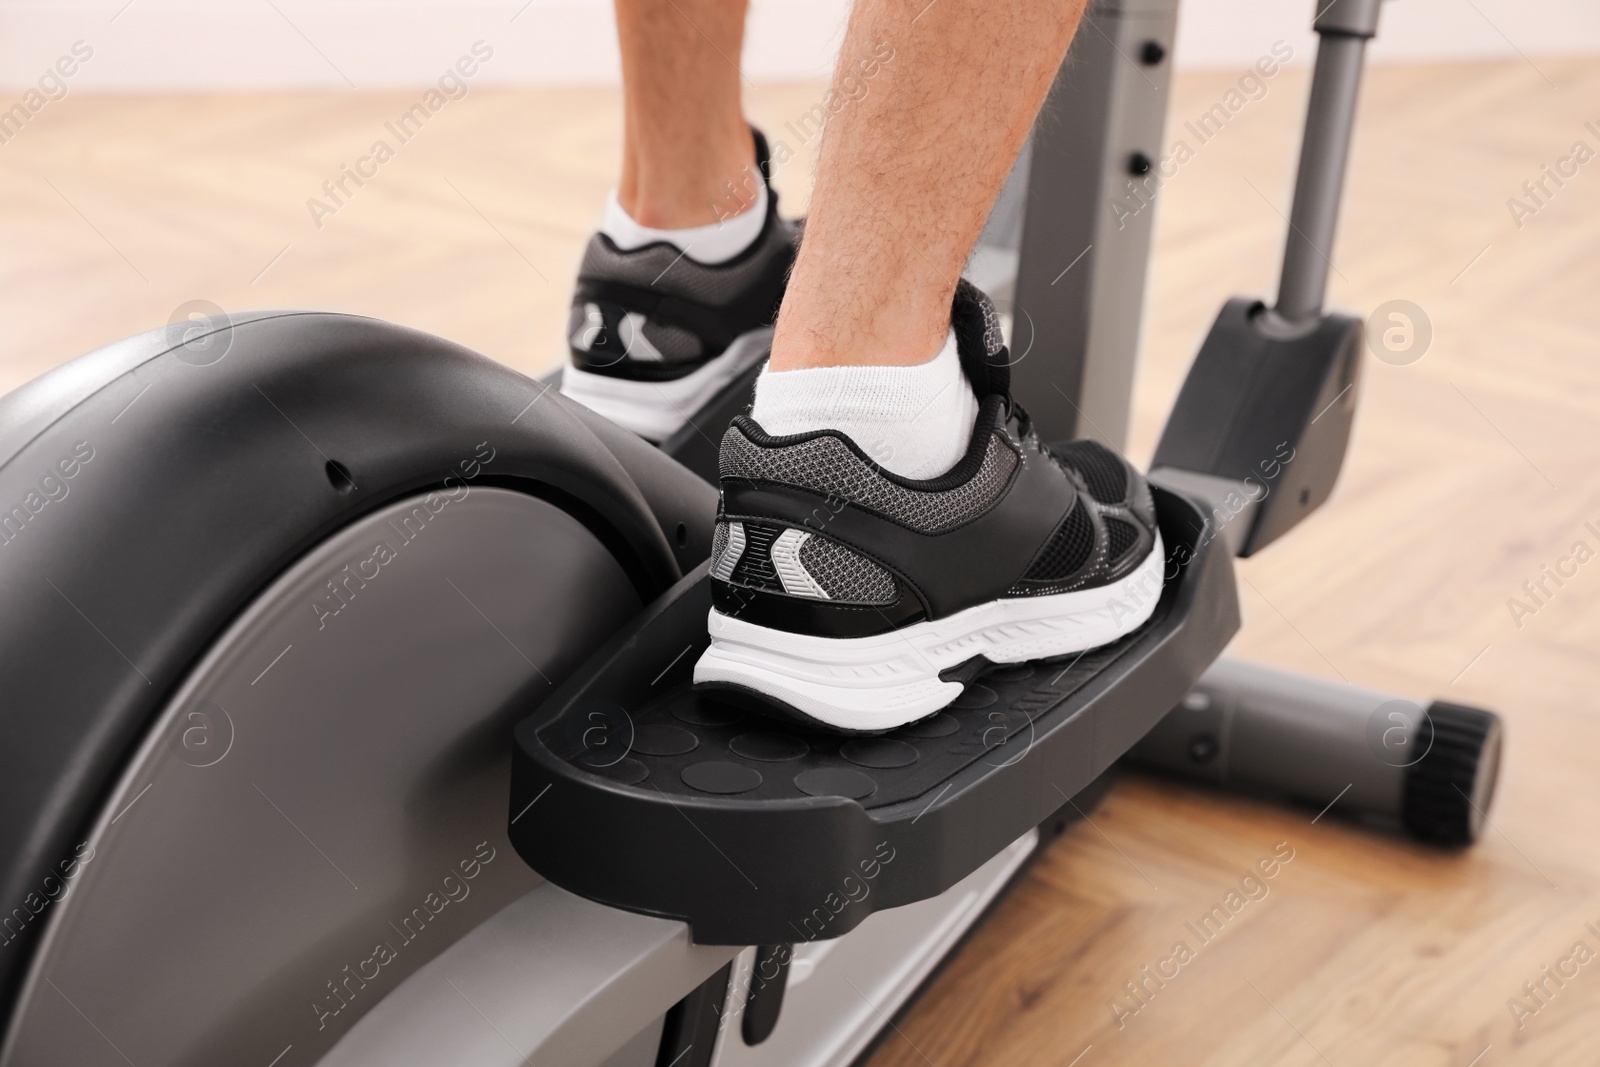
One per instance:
[(1139, 163), (339, 476), (1305, 496), (1152, 53), (683, 535)]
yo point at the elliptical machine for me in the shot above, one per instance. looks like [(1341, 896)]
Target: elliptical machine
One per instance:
[(293, 599)]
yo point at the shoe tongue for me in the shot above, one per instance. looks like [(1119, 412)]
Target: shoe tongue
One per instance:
[(763, 156), (764, 169), (984, 357), (764, 162)]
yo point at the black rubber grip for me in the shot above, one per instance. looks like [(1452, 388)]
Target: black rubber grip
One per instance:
[(1448, 791)]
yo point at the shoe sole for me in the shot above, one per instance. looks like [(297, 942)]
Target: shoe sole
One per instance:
[(878, 683), (657, 410)]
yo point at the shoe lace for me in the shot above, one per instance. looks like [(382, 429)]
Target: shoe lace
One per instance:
[(1028, 437)]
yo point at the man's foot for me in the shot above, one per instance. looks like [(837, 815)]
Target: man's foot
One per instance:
[(654, 333), (843, 591)]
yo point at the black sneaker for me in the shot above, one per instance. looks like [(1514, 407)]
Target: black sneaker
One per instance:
[(842, 591), (653, 334)]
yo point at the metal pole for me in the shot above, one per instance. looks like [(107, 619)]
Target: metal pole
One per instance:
[(1087, 223), (1344, 27)]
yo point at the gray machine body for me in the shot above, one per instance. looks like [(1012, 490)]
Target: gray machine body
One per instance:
[(336, 779), (1067, 250), (341, 781), (561, 982), (325, 777), (1067, 247)]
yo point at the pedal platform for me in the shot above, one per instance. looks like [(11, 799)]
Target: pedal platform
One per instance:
[(1270, 416), (632, 789)]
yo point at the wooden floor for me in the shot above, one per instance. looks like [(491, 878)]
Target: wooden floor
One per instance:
[(1470, 470)]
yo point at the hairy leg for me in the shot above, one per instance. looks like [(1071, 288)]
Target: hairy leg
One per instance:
[(908, 172), (685, 136)]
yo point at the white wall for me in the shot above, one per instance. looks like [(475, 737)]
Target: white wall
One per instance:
[(1232, 33), (150, 45), (371, 44)]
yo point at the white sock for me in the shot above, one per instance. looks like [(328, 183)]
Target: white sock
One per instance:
[(716, 243), (916, 421)]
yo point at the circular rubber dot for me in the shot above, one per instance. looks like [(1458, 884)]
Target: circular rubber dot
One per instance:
[(878, 752), (1015, 672), (940, 725), (625, 770), (973, 696), (1009, 721), (717, 776), (769, 747), (698, 711), (835, 782), (664, 739)]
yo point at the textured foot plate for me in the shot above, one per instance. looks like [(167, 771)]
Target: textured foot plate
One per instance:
[(633, 789)]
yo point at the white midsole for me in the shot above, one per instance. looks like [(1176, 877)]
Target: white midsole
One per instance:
[(887, 680), (657, 410)]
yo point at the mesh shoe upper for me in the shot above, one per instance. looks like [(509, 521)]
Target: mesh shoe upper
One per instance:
[(655, 314), (828, 465), (1105, 536)]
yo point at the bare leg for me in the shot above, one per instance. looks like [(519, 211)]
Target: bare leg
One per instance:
[(685, 135), (908, 173)]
